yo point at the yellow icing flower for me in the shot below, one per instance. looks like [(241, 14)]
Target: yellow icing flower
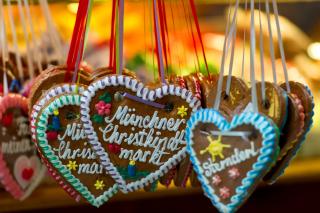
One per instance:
[(72, 165), (99, 185), (182, 111)]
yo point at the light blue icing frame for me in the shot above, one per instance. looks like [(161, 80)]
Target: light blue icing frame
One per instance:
[(265, 159)]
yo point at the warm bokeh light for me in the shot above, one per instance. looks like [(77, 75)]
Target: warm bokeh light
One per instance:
[(213, 41), (73, 7), (314, 50)]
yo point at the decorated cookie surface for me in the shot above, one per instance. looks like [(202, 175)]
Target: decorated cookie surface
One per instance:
[(274, 106), (139, 133), (63, 142), (20, 166), (230, 158)]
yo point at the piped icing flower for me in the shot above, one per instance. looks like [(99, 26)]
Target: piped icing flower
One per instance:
[(216, 180), (182, 111), (224, 192), (234, 173), (103, 108), (99, 185)]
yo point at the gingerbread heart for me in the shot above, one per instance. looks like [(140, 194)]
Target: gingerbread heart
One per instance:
[(59, 90), (20, 168), (304, 94), (274, 106), (137, 132), (230, 158), (184, 168), (238, 92), (63, 143)]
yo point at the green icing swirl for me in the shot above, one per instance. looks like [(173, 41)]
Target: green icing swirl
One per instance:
[(41, 128)]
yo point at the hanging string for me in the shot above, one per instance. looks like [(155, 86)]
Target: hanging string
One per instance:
[(162, 31), (232, 41), (273, 59), (182, 32), (177, 48), (15, 41), (243, 44), (227, 36), (112, 35), (252, 55), (158, 43), (25, 34), (120, 37), (196, 21), (152, 39), (4, 49), (280, 43), (166, 33), (83, 40), (145, 31), (263, 87), (190, 28), (42, 55), (35, 53), (75, 44), (187, 18), (53, 34)]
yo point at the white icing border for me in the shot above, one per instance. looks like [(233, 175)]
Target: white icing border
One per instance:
[(146, 94)]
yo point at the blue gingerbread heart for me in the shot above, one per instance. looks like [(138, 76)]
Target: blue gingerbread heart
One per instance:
[(230, 159)]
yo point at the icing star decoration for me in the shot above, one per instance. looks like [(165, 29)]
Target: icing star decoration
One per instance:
[(224, 192), (182, 111), (215, 148), (99, 185), (72, 165), (234, 173)]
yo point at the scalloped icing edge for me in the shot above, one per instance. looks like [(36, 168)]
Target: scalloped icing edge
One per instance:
[(52, 93), (6, 178), (264, 161), (61, 101), (300, 143), (147, 94)]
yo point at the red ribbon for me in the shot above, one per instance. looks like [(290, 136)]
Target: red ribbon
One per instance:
[(112, 37), (162, 19), (192, 34), (196, 21), (156, 38), (77, 38)]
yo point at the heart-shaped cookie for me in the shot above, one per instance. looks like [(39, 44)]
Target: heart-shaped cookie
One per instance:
[(56, 91), (230, 158), (137, 132), (20, 168), (63, 143), (304, 94), (184, 168)]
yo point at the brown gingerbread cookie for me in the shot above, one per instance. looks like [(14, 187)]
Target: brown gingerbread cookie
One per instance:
[(184, 168), (302, 93), (230, 158), (148, 125), (64, 145), (238, 92), (274, 107)]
